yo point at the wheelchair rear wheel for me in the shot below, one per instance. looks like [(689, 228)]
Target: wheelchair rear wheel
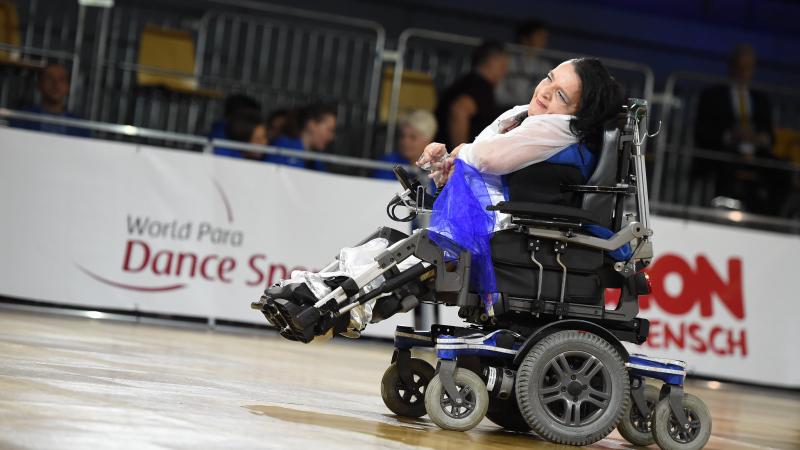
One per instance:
[(402, 400), (572, 388)]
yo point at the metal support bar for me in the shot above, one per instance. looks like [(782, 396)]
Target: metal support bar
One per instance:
[(98, 70), (674, 394), (535, 247), (559, 248), (403, 362), (622, 237), (637, 393), (447, 370), (76, 59), (127, 130)]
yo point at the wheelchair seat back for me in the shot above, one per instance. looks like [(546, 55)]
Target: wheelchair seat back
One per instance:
[(605, 174), (541, 183)]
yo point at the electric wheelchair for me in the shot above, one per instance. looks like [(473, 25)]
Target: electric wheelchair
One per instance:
[(547, 354)]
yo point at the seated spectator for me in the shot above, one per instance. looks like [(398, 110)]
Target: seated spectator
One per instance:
[(53, 88), (791, 208), (313, 128), (276, 123), (415, 131), (737, 119), (245, 126), (233, 104), (525, 69), (468, 106)]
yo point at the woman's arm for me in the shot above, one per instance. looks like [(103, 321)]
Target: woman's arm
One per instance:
[(535, 140)]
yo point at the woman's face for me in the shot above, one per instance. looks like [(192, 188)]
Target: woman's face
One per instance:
[(412, 143), (558, 93), (259, 135), (322, 132)]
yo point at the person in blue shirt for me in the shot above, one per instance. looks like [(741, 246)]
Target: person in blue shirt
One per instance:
[(245, 126), (234, 103), (240, 105), (415, 131), (276, 123), (312, 128), (54, 88)]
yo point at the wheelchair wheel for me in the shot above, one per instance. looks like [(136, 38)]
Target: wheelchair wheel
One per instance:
[(444, 412), (400, 400), (506, 414), (634, 427), (572, 388), (668, 433)]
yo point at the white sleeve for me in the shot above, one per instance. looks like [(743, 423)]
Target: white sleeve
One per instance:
[(535, 140), (493, 129)]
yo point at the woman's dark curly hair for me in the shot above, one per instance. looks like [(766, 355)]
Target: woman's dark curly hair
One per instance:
[(601, 102)]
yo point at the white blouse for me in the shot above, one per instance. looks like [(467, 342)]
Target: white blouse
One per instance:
[(535, 140), (495, 153)]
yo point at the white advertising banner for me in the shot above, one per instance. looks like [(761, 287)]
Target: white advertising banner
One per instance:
[(116, 225), (724, 301), (113, 225)]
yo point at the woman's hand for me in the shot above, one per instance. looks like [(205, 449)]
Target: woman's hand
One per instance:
[(440, 163), (434, 152)]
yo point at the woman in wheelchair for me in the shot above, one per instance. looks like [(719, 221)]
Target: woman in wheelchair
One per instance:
[(528, 154), (560, 129), (530, 226)]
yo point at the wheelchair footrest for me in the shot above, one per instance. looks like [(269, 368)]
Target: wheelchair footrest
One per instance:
[(670, 371), (294, 322), (408, 337)]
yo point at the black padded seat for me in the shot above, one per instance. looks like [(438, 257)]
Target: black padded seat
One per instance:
[(542, 183), (605, 174), (548, 212), (517, 275)]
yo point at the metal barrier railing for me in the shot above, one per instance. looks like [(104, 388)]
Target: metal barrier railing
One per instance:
[(726, 217), (685, 184), (445, 56), (287, 56), (207, 145), (344, 68), (303, 154), (116, 129)]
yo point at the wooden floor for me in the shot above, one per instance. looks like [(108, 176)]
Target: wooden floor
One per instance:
[(78, 383)]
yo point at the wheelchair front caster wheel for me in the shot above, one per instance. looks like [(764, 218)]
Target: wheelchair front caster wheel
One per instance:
[(668, 433), (446, 413), (634, 427), (398, 397)]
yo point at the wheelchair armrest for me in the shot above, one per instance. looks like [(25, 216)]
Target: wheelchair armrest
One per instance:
[(547, 212)]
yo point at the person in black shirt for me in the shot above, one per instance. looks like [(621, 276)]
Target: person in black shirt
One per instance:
[(468, 106), (737, 119)]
